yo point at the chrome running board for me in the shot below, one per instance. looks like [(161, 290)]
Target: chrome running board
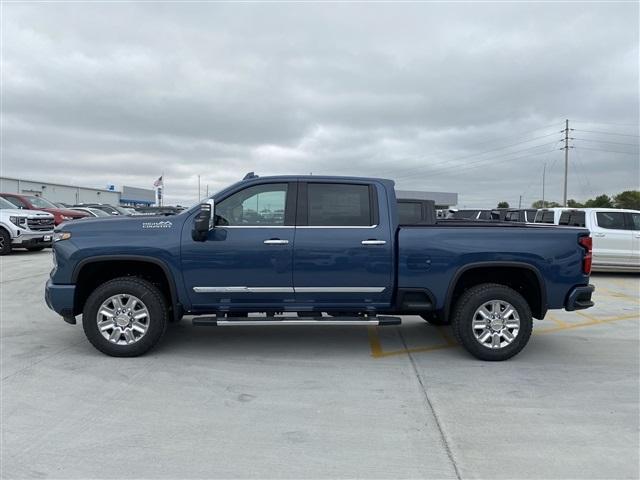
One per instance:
[(258, 322)]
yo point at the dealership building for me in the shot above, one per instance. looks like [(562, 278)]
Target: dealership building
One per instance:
[(74, 195)]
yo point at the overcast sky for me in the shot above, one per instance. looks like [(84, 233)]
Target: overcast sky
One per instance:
[(456, 97)]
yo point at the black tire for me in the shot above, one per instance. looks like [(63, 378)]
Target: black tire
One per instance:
[(35, 249), (5, 242), (152, 298), (471, 301), (435, 318)]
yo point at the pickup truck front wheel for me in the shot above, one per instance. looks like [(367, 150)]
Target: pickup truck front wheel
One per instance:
[(125, 317), (492, 321)]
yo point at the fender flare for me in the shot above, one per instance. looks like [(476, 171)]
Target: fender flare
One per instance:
[(175, 304), (489, 263)]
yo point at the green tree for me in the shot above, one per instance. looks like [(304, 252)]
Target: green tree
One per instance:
[(503, 204), (574, 204), (628, 199), (601, 201), (546, 204)]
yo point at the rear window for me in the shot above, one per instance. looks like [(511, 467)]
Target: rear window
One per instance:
[(611, 220), (409, 212), (545, 216), (530, 215), (572, 218), (337, 204), (466, 214)]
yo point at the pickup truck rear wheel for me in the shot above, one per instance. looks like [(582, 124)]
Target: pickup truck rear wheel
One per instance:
[(125, 317), (492, 321)]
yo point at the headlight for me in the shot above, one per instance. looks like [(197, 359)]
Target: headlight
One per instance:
[(58, 236), (19, 221)]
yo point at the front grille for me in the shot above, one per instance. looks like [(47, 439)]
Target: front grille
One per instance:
[(40, 224)]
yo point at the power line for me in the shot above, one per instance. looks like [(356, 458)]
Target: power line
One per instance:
[(609, 151), (462, 167), (606, 133), (476, 166), (614, 124), (419, 167), (606, 141)]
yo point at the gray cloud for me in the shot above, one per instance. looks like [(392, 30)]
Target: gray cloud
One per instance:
[(118, 93)]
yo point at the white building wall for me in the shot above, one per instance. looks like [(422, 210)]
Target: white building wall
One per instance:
[(59, 193)]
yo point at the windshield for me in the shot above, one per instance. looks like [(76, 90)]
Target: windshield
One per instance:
[(4, 204), (40, 202), (98, 213)]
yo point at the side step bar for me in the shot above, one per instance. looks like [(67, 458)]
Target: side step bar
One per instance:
[(257, 322)]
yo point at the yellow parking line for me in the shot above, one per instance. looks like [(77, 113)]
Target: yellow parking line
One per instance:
[(374, 343), (556, 320), (378, 352), (592, 321), (609, 293)]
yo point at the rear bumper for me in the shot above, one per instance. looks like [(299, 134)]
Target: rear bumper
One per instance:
[(60, 298), (579, 298)]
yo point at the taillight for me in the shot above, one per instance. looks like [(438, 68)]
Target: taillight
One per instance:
[(587, 244)]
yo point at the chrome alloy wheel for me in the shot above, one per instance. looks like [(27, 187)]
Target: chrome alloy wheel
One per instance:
[(496, 324), (123, 319)]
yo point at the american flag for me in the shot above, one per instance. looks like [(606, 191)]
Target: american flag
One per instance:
[(158, 182)]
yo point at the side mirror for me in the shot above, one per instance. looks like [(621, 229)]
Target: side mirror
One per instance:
[(203, 222)]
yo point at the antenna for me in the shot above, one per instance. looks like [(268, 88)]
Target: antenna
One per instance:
[(249, 176)]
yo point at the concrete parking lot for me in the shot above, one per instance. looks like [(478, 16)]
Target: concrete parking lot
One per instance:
[(318, 402)]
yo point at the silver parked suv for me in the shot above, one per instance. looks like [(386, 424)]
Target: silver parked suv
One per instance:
[(30, 229)]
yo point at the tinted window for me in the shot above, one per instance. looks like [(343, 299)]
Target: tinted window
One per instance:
[(333, 204), (467, 214), (572, 218), (612, 220), (513, 217), (530, 215), (485, 215), (544, 216), (257, 205), (39, 202), (635, 221), (16, 201), (409, 212)]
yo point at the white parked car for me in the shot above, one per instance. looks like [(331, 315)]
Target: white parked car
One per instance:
[(615, 233), (30, 229)]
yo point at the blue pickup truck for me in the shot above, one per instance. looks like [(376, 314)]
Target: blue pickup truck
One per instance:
[(313, 250)]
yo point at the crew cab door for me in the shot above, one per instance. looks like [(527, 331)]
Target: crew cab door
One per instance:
[(344, 246), (246, 259), (612, 241)]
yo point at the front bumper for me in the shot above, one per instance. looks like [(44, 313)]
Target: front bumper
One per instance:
[(60, 299), (39, 239), (579, 298)]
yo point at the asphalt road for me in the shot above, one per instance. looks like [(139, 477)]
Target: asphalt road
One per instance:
[(318, 402)]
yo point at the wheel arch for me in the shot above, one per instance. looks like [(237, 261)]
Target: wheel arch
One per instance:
[(520, 276), (91, 272)]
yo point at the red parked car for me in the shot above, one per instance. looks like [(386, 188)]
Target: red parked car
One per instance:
[(33, 202)]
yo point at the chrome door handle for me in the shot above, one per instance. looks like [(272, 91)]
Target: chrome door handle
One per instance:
[(598, 234), (373, 242), (276, 241)]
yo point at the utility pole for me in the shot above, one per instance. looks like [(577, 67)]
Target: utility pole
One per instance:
[(199, 197), (544, 172), (520, 202), (566, 160)]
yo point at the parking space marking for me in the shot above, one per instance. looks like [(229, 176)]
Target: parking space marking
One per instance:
[(617, 295), (378, 352)]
